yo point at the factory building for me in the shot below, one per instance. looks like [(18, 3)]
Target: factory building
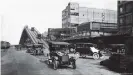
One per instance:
[(74, 15)]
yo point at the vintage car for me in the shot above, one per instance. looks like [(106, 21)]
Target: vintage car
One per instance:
[(5, 45), (61, 54), (29, 48), (88, 49), (37, 49), (117, 48)]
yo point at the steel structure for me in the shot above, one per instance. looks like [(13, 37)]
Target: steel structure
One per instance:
[(31, 36)]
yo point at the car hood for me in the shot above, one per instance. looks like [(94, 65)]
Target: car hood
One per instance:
[(93, 49), (60, 53)]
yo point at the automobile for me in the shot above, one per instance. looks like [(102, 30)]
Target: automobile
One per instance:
[(88, 49), (61, 54), (5, 45), (37, 49), (117, 48), (29, 48)]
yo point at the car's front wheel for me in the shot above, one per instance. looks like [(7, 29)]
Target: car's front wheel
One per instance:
[(74, 65), (55, 64), (96, 56), (36, 52)]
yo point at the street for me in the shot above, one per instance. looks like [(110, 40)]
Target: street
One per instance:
[(15, 62)]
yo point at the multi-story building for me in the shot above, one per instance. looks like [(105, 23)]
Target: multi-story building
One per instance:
[(73, 15), (125, 23), (125, 16), (97, 28), (70, 15)]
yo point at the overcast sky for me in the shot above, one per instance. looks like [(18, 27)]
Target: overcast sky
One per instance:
[(41, 14)]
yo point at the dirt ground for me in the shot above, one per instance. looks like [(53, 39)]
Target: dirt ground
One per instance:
[(15, 62)]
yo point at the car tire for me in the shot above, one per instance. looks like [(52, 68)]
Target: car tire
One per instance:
[(48, 62), (84, 56), (37, 52), (74, 65), (27, 51), (96, 56), (42, 52), (55, 64)]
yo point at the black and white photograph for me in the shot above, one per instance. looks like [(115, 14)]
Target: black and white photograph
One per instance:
[(66, 37)]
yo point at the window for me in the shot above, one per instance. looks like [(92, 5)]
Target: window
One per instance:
[(129, 7), (121, 10), (129, 19), (121, 21), (72, 9), (75, 14), (121, 2)]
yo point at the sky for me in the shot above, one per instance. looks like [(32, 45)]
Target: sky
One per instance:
[(41, 14)]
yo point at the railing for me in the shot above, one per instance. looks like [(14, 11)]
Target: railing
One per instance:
[(41, 40), (29, 34), (125, 30)]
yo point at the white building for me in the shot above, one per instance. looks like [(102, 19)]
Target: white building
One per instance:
[(73, 15)]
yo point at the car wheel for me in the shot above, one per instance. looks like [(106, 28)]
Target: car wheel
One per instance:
[(48, 62), (84, 56), (95, 56), (55, 65), (27, 51), (73, 65), (37, 52)]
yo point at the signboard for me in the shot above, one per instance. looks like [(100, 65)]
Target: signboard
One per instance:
[(95, 26)]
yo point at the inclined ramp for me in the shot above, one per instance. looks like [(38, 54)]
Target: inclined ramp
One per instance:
[(33, 33)]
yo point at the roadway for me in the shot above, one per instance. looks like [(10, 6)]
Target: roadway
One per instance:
[(15, 62)]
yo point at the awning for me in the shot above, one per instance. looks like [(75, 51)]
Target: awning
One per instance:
[(60, 43)]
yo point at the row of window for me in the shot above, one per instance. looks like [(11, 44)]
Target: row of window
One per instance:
[(125, 28), (72, 9), (74, 13), (126, 19), (126, 8)]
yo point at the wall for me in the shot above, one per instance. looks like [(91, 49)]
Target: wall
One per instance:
[(77, 15), (83, 15), (125, 16)]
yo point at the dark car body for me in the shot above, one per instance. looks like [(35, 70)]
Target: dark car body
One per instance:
[(117, 48), (35, 49), (29, 48), (60, 55), (87, 49), (5, 45), (38, 49)]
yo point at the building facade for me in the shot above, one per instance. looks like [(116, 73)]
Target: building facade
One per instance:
[(60, 33), (70, 15), (125, 16), (125, 23), (97, 28), (73, 15)]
